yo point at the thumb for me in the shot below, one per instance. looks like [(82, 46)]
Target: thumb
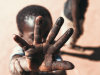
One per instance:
[(62, 65)]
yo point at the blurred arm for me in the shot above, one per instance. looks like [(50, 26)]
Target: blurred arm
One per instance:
[(75, 12)]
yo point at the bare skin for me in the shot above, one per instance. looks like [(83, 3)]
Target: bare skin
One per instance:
[(78, 10), (75, 15), (40, 56), (74, 10)]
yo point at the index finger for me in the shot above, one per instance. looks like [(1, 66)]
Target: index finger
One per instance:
[(22, 43)]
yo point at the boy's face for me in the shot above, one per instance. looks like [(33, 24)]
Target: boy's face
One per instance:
[(28, 30)]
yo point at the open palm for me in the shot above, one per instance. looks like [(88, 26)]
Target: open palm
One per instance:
[(41, 55)]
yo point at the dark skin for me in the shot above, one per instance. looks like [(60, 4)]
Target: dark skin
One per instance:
[(78, 10), (74, 10), (40, 56), (75, 16)]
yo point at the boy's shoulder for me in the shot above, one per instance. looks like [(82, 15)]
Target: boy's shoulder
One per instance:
[(17, 50)]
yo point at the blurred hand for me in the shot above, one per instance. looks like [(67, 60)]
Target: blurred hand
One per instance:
[(41, 56), (16, 68)]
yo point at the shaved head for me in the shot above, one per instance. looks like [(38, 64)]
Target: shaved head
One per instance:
[(27, 14)]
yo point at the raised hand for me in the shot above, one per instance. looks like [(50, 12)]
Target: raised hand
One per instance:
[(41, 55)]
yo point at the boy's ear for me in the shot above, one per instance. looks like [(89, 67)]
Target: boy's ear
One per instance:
[(20, 34)]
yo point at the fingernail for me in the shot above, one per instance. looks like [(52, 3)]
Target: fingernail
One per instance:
[(70, 65), (13, 35), (60, 21), (39, 20), (70, 31)]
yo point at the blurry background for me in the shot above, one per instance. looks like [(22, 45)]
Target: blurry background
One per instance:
[(86, 62)]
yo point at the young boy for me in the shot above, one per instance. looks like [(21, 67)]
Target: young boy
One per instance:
[(73, 14), (29, 59)]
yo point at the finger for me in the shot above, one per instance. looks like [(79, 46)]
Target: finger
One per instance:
[(19, 68), (12, 67), (37, 30), (61, 41), (54, 31), (62, 65), (22, 43)]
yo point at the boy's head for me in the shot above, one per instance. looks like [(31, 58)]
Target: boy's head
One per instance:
[(26, 21)]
